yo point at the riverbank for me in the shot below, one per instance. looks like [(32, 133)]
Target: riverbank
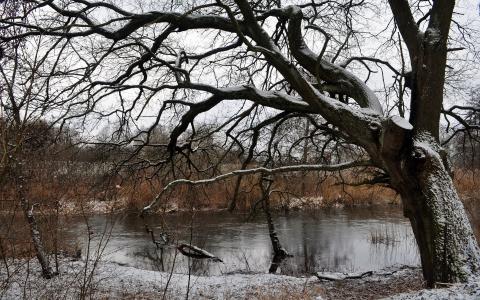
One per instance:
[(112, 281), (313, 192), (95, 207)]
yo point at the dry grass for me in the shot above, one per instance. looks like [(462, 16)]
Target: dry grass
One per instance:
[(133, 194), (47, 191), (306, 292), (136, 194), (468, 183), (333, 192)]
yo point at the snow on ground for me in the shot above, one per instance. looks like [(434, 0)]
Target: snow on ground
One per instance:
[(113, 281), (469, 291)]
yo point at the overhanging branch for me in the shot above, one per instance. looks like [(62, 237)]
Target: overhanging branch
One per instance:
[(260, 170)]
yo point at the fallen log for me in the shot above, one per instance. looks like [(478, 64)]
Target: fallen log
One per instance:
[(197, 253), (331, 276)]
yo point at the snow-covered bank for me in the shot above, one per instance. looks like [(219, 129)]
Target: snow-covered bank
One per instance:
[(469, 291), (113, 281)]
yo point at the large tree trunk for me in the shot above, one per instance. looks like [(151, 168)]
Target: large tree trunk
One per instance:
[(416, 163), (447, 245)]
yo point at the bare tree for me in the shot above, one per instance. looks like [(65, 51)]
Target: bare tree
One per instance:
[(18, 132), (28, 132), (253, 62)]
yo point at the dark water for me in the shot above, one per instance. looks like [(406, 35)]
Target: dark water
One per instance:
[(334, 240)]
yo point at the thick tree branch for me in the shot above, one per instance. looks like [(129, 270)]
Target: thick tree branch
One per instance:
[(261, 170), (331, 73), (441, 16), (406, 24)]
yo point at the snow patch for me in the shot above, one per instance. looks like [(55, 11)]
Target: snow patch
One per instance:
[(468, 291)]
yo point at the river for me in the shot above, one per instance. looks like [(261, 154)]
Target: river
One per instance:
[(345, 240)]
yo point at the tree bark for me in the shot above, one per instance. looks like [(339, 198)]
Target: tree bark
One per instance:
[(279, 253), (27, 209), (420, 171), (447, 245)]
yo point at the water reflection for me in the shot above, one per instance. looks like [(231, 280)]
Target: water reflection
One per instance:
[(335, 240)]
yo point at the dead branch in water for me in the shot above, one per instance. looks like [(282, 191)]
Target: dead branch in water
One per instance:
[(197, 253)]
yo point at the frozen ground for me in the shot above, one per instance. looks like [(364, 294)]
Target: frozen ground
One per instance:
[(112, 281), (470, 291)]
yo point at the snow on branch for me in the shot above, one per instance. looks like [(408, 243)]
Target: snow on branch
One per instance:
[(260, 170)]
